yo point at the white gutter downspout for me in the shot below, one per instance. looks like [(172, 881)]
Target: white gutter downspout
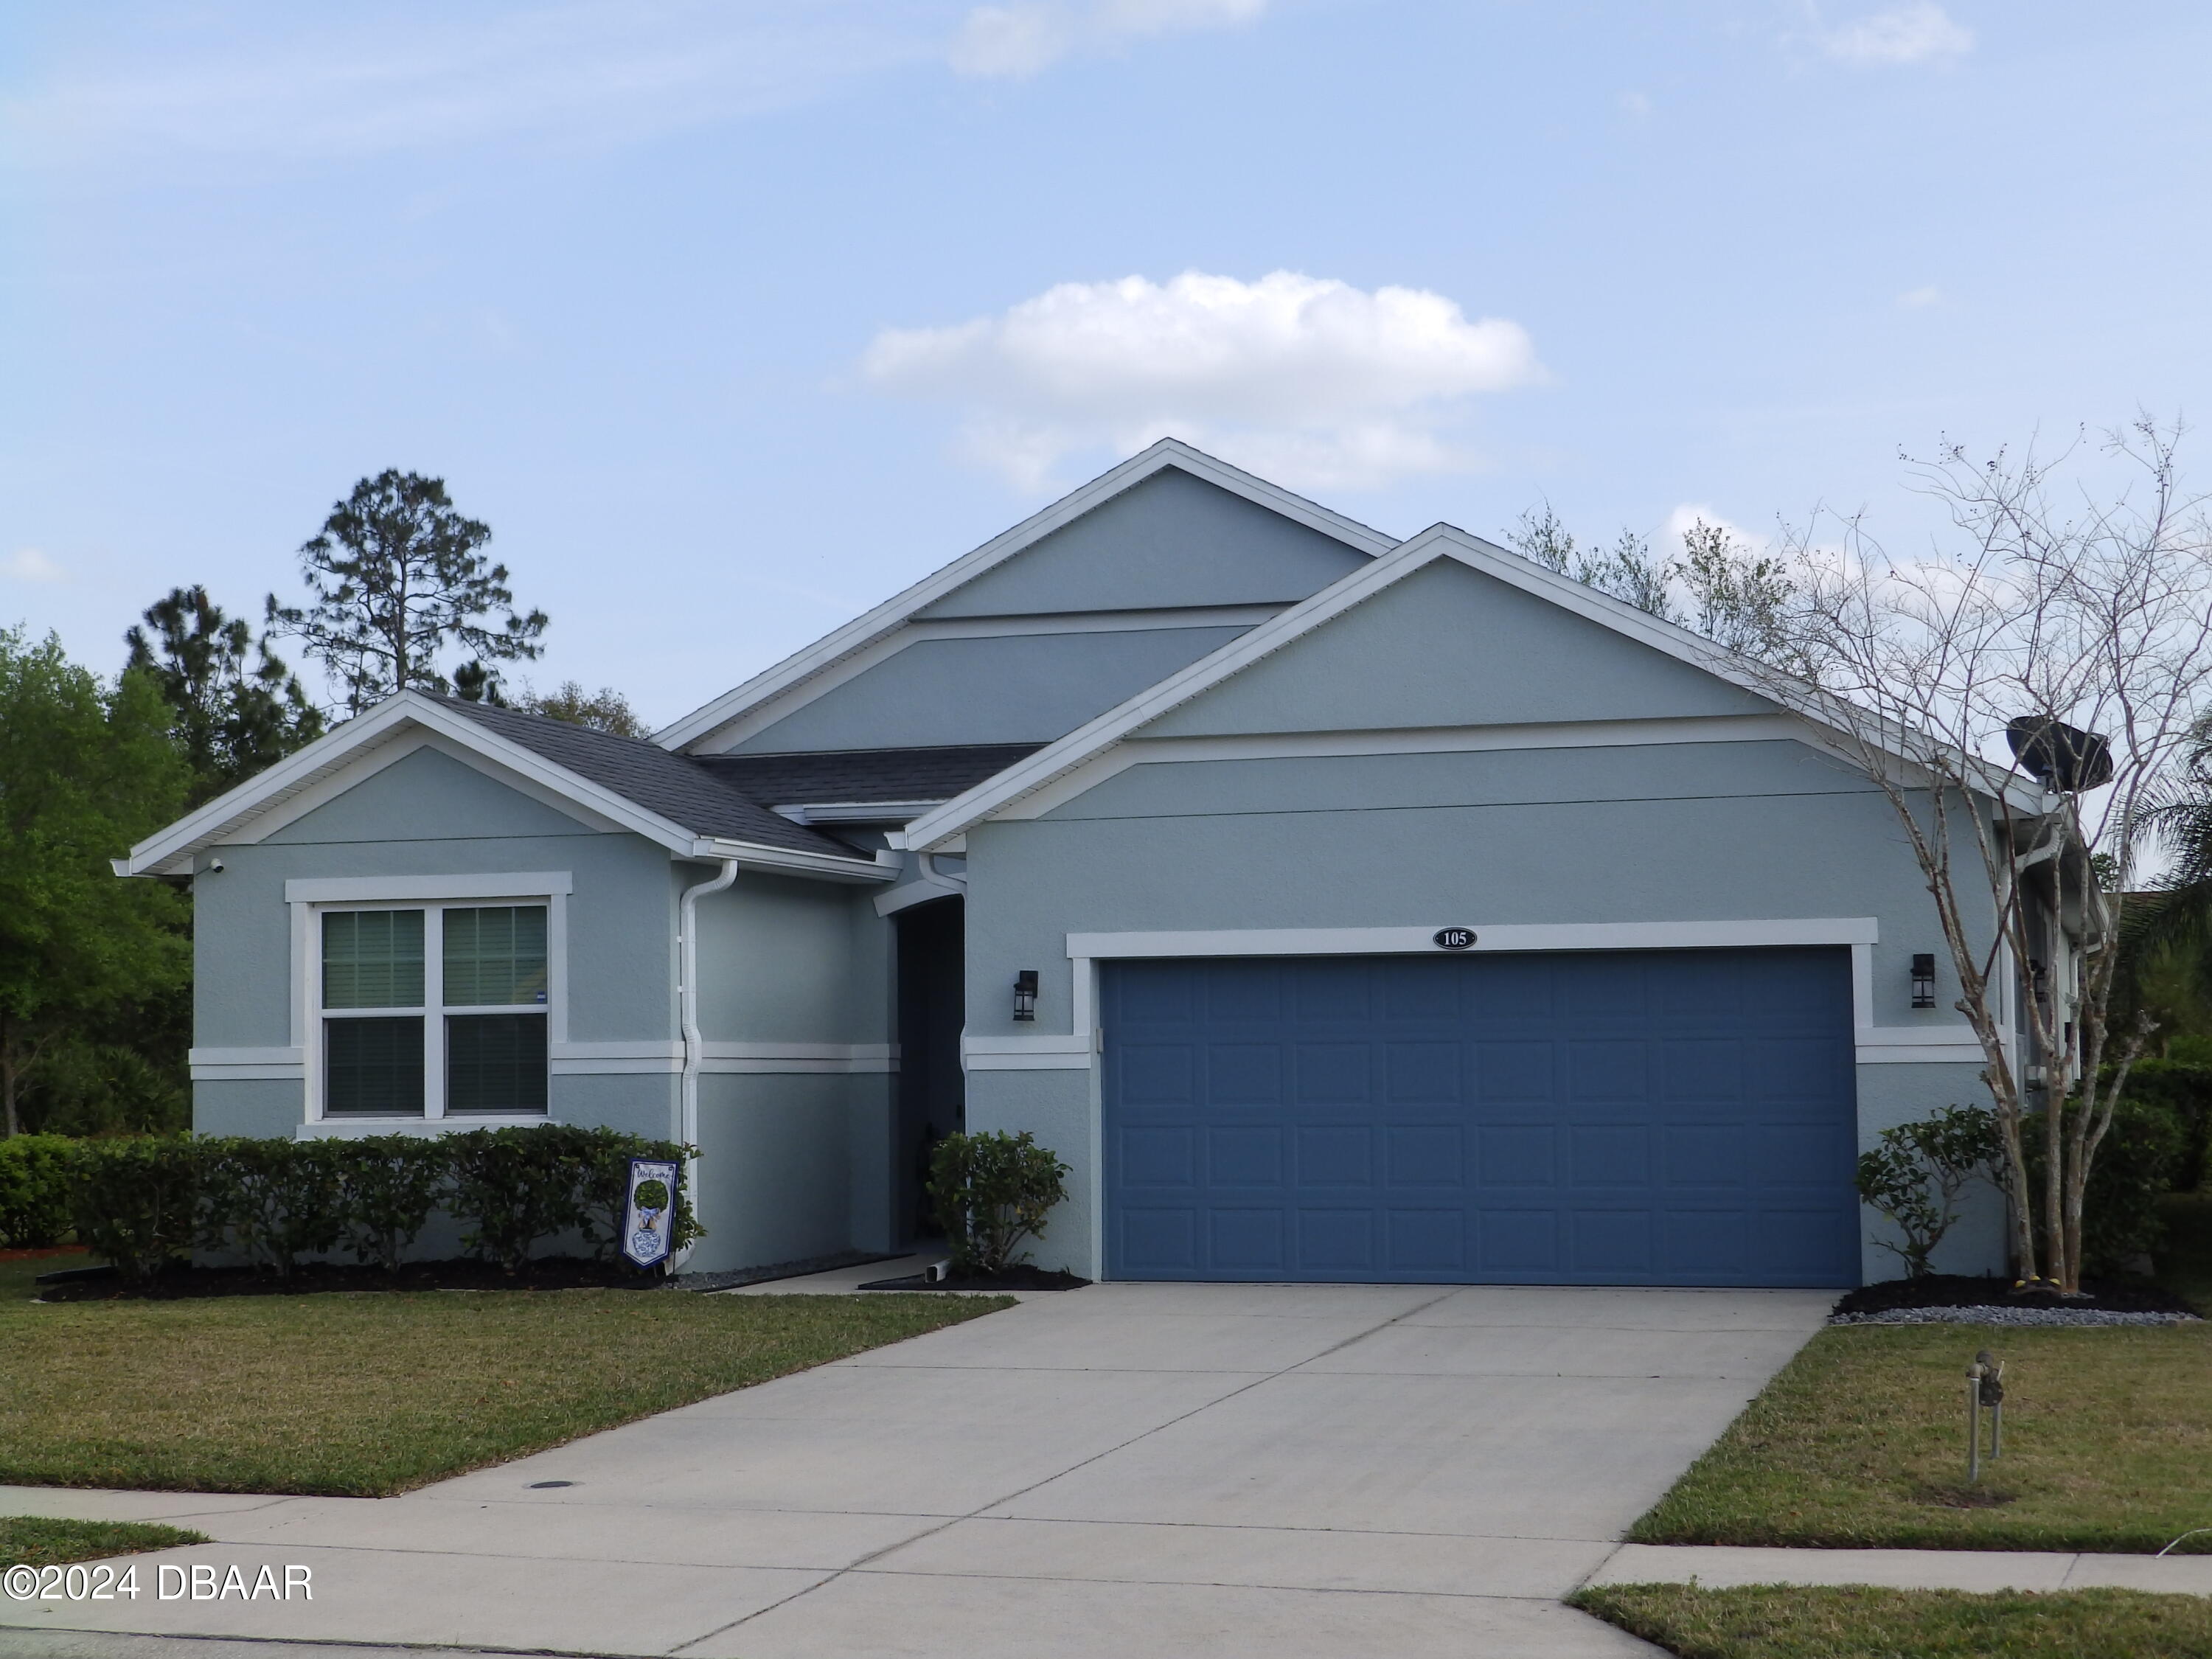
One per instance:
[(695, 1046), (929, 863)]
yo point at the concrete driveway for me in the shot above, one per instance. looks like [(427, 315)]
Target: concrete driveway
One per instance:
[(1275, 1470)]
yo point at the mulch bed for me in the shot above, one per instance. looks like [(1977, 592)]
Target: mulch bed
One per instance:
[(1020, 1278), (33, 1255), (1957, 1291), (558, 1272)]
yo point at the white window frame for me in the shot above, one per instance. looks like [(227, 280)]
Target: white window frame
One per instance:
[(310, 901)]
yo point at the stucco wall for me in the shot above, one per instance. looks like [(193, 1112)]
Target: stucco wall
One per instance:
[(1001, 687), (1173, 540)]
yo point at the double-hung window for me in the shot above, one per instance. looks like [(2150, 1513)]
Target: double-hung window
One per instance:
[(433, 1010)]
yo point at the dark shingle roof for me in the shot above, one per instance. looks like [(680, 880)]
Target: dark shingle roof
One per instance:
[(864, 774), (677, 787)]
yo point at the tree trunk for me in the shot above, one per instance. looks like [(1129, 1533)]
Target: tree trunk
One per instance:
[(10, 1072)]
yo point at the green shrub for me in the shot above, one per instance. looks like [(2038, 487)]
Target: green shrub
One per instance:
[(2184, 1089), (1917, 1170), (2132, 1170), (135, 1202), (514, 1188), (992, 1191), (387, 1187), (276, 1199), (34, 1210)]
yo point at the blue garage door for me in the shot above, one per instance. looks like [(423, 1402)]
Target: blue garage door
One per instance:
[(1650, 1117)]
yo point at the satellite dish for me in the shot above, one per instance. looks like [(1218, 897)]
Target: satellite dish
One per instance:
[(2059, 756)]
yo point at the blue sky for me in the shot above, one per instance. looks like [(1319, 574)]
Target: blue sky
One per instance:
[(733, 319)]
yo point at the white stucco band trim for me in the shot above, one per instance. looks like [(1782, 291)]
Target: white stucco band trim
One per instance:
[(344, 890), (1948, 1043)]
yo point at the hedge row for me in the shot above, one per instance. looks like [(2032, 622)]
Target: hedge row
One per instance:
[(142, 1202), (2185, 1091)]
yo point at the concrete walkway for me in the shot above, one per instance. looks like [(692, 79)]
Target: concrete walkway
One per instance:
[(1238, 1470)]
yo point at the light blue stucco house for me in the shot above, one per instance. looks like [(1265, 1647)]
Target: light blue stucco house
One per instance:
[(1337, 908)]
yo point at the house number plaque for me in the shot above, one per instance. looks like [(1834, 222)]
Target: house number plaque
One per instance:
[(1454, 938)]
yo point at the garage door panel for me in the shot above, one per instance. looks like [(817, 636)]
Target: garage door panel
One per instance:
[(1424, 1155), (1715, 1243), (1335, 1155), (1423, 1073), (1616, 1069), (1245, 1156), (1608, 1154), (1337, 1240), (1519, 1241), (1159, 1074), (1508, 1071), (1615, 1243), (1702, 1068), (1519, 1155), (1333, 1073), (1244, 1073), (1426, 1241), (1158, 1155), (1656, 1117), (1704, 1155), (1158, 1242)]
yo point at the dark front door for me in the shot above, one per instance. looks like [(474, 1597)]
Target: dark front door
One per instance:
[(932, 1010), (1659, 1117)]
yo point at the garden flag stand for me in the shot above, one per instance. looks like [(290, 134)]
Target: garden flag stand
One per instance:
[(649, 1214)]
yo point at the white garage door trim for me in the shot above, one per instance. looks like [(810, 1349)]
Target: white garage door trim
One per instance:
[(1078, 1051)]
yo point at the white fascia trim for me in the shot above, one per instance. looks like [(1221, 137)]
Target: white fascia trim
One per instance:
[(1550, 936), (1139, 750), (342, 889), (866, 630), (1042, 1060), (992, 796), (857, 811), (883, 867)]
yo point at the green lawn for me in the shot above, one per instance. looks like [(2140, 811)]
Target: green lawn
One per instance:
[(32, 1540), (1860, 1440), (362, 1396), (1776, 1621)]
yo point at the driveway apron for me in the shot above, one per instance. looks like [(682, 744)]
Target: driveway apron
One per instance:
[(1276, 1470)]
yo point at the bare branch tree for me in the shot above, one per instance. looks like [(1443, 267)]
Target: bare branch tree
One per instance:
[(2019, 698)]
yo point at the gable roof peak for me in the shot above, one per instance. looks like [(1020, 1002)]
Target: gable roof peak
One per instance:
[(867, 629)]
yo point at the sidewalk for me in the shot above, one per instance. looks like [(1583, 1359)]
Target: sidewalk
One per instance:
[(1720, 1567)]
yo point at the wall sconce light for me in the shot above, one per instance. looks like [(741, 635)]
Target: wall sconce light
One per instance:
[(1025, 993), (1923, 979)]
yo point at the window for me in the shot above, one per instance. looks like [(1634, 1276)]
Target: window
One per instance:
[(433, 1010)]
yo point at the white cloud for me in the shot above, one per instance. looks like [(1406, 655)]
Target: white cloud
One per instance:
[(1311, 381), (1026, 36), (1920, 299), (1922, 33), (28, 564), (1636, 103)]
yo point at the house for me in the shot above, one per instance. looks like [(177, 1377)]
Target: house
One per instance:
[(1338, 909)]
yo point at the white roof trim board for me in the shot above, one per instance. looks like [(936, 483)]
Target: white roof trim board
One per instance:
[(170, 852), (864, 631), (958, 816)]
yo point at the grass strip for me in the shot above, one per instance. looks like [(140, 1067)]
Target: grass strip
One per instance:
[(364, 1395), (35, 1541), (1860, 1440), (1791, 1621)]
